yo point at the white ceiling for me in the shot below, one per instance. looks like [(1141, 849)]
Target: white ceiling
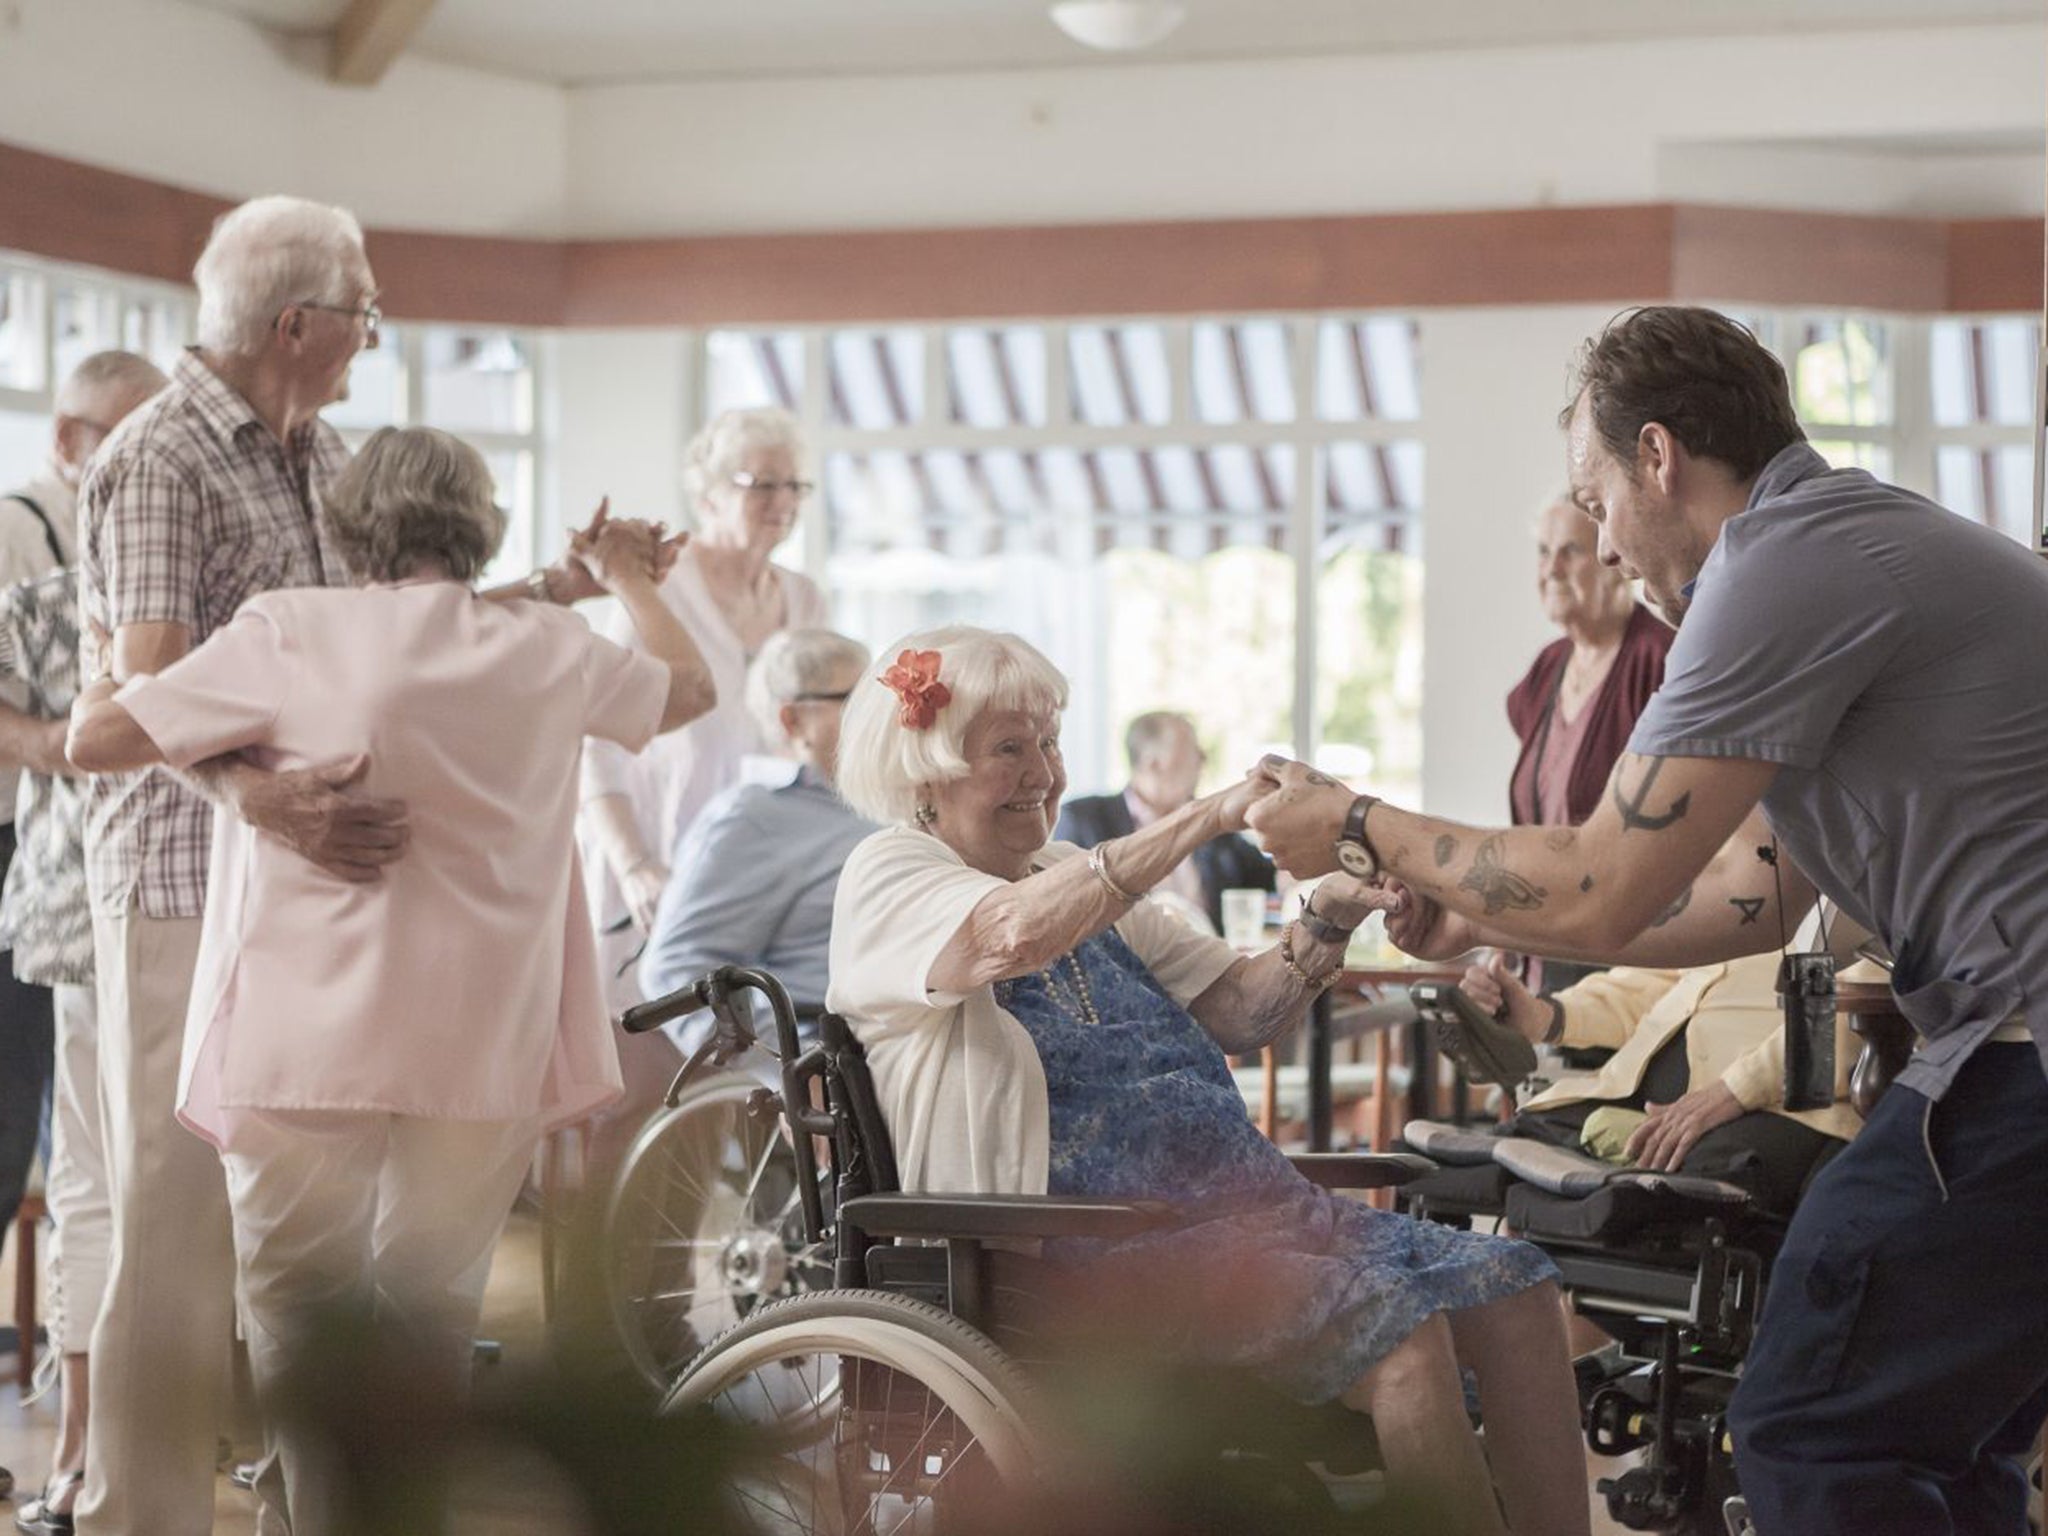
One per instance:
[(594, 41)]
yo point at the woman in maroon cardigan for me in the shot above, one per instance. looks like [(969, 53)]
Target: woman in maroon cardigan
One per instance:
[(1574, 709)]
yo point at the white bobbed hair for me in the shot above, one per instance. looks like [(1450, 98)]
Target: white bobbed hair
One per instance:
[(267, 255), (716, 453), (883, 763)]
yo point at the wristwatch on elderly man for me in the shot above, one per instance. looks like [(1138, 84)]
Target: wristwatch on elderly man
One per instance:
[(1355, 855)]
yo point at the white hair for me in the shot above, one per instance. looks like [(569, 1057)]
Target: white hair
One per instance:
[(716, 452), (794, 662), (264, 257), (884, 764), (107, 379)]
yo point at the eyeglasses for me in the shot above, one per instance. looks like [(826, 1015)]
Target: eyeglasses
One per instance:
[(821, 698), (768, 487), (369, 314)]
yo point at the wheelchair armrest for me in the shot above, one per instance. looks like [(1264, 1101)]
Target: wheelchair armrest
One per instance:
[(982, 1217), (1361, 1170)]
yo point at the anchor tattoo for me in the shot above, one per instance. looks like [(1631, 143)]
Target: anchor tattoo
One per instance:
[(1632, 813)]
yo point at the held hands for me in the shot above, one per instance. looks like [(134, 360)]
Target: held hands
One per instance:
[(1498, 991), (1300, 816), (1420, 927), (1669, 1131), (620, 547), (1231, 803)]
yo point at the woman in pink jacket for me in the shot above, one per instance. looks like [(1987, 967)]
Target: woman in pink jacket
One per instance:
[(376, 1061)]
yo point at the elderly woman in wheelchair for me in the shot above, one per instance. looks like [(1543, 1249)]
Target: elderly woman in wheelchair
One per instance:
[(1034, 1026)]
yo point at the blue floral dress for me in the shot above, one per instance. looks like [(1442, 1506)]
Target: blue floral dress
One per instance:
[(1268, 1271)]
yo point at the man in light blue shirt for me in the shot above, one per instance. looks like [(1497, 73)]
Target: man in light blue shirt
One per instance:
[(754, 875), (1861, 681)]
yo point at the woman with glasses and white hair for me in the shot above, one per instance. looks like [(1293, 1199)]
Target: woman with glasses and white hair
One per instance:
[(376, 1062), (1035, 1026), (744, 479)]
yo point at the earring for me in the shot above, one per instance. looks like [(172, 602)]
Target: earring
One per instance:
[(927, 813)]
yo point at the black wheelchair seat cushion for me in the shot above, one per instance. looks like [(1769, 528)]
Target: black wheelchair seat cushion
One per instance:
[(1617, 1212)]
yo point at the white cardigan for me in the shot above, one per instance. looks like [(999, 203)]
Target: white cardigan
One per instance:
[(958, 1077)]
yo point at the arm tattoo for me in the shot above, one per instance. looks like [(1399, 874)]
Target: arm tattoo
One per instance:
[(1633, 815), (1446, 850), (1751, 908), (1498, 886), (1671, 912), (1586, 885)]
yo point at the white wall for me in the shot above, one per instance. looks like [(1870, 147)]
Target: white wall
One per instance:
[(1493, 382), (203, 100), (619, 418), (1502, 128)]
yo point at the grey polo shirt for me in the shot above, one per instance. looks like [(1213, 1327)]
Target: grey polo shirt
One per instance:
[(1892, 658)]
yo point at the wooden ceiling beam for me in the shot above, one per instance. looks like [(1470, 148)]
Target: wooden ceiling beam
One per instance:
[(371, 35)]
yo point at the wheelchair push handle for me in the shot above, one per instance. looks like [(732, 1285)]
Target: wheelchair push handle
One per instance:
[(733, 1035)]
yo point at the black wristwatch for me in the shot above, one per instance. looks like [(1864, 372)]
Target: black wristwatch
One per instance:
[(1355, 854)]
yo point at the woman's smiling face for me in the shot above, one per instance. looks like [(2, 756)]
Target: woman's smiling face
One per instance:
[(1002, 810)]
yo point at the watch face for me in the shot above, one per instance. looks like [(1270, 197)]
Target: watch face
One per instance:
[(1355, 860)]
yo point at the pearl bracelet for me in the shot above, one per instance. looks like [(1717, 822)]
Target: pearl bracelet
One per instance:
[(1313, 983)]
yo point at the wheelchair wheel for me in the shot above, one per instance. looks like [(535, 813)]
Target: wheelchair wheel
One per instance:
[(864, 1412), (702, 1227)]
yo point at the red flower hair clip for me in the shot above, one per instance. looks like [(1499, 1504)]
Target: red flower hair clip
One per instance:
[(915, 680)]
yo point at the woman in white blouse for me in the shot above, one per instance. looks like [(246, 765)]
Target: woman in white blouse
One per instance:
[(744, 478), (1034, 1026)]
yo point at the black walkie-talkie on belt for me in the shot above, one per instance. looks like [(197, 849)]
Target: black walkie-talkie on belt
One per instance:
[(1806, 993)]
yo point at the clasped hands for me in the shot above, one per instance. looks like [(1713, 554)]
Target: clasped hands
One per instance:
[(607, 551)]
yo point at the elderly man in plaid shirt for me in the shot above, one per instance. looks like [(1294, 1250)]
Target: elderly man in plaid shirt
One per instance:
[(202, 499)]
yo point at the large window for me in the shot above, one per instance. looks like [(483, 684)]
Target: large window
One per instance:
[(1982, 384), (483, 385), (52, 317), (1220, 516)]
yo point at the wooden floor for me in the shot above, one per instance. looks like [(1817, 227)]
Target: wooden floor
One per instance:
[(519, 1501)]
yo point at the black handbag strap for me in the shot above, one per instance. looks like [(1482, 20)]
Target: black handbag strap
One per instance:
[(49, 529)]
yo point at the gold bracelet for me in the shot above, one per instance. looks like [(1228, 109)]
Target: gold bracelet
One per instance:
[(1313, 983), (1098, 861)]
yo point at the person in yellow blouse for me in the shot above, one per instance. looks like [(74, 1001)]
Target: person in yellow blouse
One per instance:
[(1699, 1055)]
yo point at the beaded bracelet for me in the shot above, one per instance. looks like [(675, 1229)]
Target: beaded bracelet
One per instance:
[(1098, 861), (1313, 983)]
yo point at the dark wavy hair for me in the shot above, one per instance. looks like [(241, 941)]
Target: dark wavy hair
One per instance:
[(1704, 378), (413, 494)]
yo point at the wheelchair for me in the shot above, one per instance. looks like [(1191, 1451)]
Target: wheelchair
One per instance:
[(1674, 1270), (905, 1386), (702, 1223)]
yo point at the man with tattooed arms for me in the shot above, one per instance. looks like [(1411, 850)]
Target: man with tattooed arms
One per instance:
[(1859, 687)]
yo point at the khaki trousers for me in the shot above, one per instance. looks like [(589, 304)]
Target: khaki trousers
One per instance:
[(342, 1214), (77, 1180), (160, 1349)]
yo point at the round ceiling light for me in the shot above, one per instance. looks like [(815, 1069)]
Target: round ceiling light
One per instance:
[(1118, 26)]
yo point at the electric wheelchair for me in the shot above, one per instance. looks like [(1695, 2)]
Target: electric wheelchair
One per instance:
[(899, 1375), (1673, 1269)]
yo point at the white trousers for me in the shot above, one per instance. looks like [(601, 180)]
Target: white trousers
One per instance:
[(77, 1181), (336, 1211), (160, 1349)]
